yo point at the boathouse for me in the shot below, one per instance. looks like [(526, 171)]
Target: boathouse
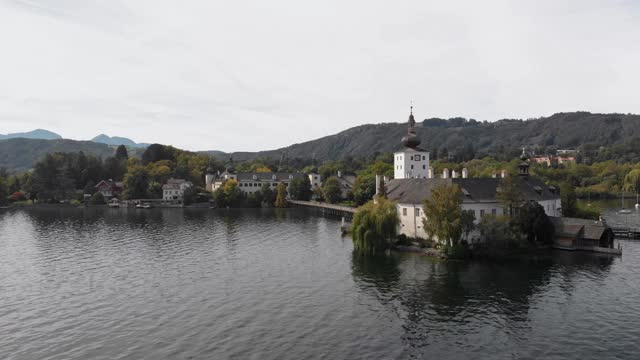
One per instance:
[(581, 234)]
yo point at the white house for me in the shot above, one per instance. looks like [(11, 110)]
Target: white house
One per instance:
[(411, 162), (174, 189)]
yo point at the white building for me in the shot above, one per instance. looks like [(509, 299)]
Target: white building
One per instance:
[(251, 182), (411, 162), (413, 185), (174, 189)]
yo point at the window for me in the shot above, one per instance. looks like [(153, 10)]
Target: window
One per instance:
[(404, 211), (424, 157), (424, 167), (411, 157), (417, 212), (412, 167), (494, 212), (482, 213)]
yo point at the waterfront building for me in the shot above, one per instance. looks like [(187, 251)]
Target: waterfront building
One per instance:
[(109, 188), (174, 189), (251, 182), (410, 189)]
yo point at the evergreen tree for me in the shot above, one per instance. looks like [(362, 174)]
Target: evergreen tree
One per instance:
[(300, 188), (121, 153)]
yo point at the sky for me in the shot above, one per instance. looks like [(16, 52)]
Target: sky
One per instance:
[(256, 75)]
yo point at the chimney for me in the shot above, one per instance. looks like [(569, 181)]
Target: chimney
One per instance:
[(503, 174), (494, 175), (378, 178), (385, 179), (430, 172), (339, 173), (454, 174), (465, 173), (445, 173)]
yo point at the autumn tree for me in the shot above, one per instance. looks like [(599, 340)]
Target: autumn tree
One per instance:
[(281, 196), (443, 214)]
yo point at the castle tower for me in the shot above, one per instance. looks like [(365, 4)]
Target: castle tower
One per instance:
[(411, 162), (209, 177), (523, 167)]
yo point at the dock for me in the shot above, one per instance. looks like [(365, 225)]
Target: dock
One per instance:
[(626, 232), (346, 212)]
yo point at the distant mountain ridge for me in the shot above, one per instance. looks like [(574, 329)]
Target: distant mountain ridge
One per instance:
[(35, 134), (22, 154), (562, 130), (116, 140)]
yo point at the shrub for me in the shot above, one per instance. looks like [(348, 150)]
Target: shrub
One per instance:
[(97, 199)]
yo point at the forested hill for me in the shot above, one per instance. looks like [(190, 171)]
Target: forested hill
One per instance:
[(22, 154), (464, 139)]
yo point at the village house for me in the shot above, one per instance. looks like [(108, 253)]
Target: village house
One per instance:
[(414, 184), (174, 189), (109, 188)]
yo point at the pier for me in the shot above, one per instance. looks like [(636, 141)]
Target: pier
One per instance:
[(326, 209), (621, 232)]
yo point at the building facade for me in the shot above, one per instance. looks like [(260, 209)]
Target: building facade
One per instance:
[(174, 189)]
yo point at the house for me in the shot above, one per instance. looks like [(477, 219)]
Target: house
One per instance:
[(582, 234), (109, 188), (174, 189), (347, 183), (410, 188)]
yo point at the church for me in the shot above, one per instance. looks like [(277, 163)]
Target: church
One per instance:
[(414, 179)]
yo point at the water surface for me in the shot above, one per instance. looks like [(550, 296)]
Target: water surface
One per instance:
[(266, 284)]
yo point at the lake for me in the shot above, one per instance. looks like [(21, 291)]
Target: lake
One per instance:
[(267, 284)]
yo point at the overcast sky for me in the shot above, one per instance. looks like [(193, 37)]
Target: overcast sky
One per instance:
[(257, 75)]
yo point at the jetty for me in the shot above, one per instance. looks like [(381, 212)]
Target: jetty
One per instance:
[(626, 232), (346, 212)]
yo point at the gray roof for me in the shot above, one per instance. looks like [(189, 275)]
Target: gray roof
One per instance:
[(414, 191), (592, 229), (266, 176)]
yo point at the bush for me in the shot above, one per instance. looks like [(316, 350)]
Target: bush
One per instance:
[(97, 199), (457, 251)]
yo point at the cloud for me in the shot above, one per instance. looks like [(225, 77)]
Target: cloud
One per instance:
[(256, 75)]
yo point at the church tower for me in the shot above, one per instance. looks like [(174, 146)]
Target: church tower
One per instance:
[(411, 162)]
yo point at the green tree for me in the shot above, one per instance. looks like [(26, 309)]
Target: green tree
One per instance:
[(632, 181), (331, 190), (569, 200), (300, 188), (4, 191), (268, 196), (281, 196), (443, 214), (375, 226), (121, 153), (364, 188), (509, 194), (97, 199), (467, 218), (136, 183), (534, 223), (90, 187)]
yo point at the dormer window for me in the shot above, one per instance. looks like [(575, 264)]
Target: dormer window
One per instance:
[(255, 177), (290, 177), (273, 176)]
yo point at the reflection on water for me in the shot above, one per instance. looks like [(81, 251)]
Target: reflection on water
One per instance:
[(192, 283)]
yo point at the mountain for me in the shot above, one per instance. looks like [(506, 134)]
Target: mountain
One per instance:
[(22, 154), (620, 132), (116, 140), (35, 134)]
